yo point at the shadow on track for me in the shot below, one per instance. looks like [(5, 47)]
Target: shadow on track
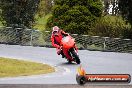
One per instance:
[(68, 64)]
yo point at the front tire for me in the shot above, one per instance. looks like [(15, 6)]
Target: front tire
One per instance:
[(75, 56)]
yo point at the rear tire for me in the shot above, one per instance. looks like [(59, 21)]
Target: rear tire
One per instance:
[(75, 56)]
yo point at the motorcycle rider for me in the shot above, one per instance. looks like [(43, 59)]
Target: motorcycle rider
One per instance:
[(56, 37)]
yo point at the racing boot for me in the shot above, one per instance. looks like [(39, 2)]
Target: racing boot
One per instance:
[(63, 56)]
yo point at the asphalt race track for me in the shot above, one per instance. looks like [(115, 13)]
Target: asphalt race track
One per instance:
[(92, 61)]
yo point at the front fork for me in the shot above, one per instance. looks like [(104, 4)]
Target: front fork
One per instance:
[(68, 54), (73, 49)]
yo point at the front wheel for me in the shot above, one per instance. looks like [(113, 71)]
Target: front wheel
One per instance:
[(75, 56)]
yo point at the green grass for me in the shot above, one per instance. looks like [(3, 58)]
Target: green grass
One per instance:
[(13, 68), (41, 22), (91, 47)]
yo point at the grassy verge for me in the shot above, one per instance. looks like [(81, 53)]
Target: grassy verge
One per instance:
[(41, 22), (13, 68), (90, 47)]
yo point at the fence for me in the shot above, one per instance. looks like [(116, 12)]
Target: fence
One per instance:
[(9, 35)]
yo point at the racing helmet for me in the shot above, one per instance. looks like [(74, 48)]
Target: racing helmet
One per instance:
[(55, 30)]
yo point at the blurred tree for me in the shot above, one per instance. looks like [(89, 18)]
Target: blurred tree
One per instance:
[(125, 7), (111, 26), (75, 16), (44, 7), (111, 7), (20, 12), (106, 6), (115, 9)]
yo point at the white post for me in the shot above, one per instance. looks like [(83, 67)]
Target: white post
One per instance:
[(104, 44), (31, 39)]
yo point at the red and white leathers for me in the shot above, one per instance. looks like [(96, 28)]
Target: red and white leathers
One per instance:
[(56, 38)]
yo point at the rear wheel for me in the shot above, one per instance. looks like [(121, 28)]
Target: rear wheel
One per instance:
[(75, 56)]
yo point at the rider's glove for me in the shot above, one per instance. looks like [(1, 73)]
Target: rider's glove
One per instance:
[(60, 47), (66, 34)]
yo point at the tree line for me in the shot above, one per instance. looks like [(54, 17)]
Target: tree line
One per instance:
[(74, 16)]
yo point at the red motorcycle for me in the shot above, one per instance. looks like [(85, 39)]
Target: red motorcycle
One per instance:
[(69, 50)]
